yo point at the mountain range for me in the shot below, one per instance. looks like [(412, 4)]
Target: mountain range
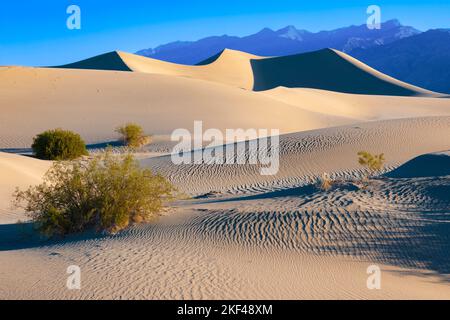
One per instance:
[(420, 58)]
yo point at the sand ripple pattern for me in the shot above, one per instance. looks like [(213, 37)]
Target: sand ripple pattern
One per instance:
[(404, 222), (306, 155)]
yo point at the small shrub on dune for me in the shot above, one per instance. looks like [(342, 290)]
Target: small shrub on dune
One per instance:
[(373, 163), (133, 135), (58, 144), (325, 183), (106, 193)]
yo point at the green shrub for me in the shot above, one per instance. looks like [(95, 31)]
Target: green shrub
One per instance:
[(373, 163), (106, 193), (133, 135), (58, 144)]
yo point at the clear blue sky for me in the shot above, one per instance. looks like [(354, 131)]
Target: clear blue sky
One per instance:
[(34, 32)]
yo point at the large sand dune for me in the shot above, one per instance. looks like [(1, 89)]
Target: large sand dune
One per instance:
[(326, 69), (229, 67)]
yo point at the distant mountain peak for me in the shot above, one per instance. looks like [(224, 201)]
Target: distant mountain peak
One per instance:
[(392, 23), (291, 32), (265, 31)]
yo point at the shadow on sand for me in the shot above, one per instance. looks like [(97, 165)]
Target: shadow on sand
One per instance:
[(24, 236), (412, 236), (93, 146), (303, 191)]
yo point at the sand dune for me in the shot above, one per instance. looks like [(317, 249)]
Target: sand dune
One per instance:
[(107, 61), (229, 67), (94, 103), (361, 107), (17, 171), (326, 69), (79, 100), (427, 165), (304, 156)]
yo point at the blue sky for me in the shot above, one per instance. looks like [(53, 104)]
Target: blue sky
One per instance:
[(34, 32)]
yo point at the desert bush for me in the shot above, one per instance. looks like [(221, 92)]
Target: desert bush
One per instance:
[(106, 193), (325, 183), (58, 144), (133, 135), (373, 163)]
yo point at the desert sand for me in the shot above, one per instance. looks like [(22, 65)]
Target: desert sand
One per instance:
[(160, 103), (17, 172), (240, 235)]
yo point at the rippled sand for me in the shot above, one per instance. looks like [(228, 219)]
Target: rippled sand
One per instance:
[(266, 238)]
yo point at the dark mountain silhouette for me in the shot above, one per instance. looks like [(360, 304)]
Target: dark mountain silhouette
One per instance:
[(422, 60), (285, 41)]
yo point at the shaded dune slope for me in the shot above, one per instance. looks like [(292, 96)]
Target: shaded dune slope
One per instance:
[(427, 165), (107, 61), (327, 69)]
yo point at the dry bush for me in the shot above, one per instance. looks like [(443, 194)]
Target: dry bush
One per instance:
[(133, 135), (325, 182), (106, 193), (373, 163)]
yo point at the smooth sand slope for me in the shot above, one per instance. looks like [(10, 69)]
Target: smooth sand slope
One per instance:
[(360, 107), (94, 103), (17, 171), (282, 240), (228, 67)]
